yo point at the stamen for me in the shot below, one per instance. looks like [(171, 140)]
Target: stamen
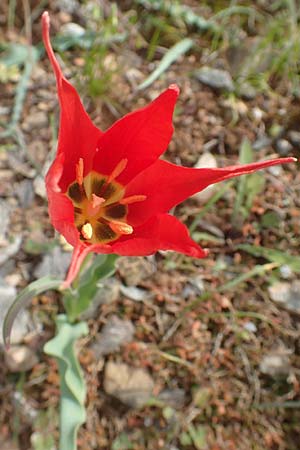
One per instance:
[(120, 227), (87, 231), (117, 170), (79, 172), (133, 199)]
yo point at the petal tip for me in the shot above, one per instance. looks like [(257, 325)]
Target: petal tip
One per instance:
[(175, 88)]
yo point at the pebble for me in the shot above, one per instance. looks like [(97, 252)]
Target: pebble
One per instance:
[(135, 293), (205, 160), (132, 386), (55, 263), (275, 365), (294, 137), (116, 332), (20, 358), (215, 78), (283, 146), (134, 270), (286, 294)]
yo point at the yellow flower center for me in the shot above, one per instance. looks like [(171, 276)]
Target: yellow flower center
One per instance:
[(100, 209)]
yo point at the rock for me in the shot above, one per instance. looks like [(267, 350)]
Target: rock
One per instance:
[(135, 293), (215, 78), (10, 250), (25, 193), (116, 332), (283, 146), (40, 187), (109, 291), (22, 324), (55, 263), (173, 397), (205, 160), (287, 295), (275, 365), (134, 270), (294, 137), (247, 91), (5, 212), (261, 142), (20, 358), (35, 120), (250, 326), (194, 287), (130, 385), (72, 29)]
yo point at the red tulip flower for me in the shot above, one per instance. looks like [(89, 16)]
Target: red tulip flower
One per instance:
[(109, 192)]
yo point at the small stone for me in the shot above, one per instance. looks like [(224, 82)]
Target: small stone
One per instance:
[(10, 250), (135, 293), (287, 295), (173, 397), (131, 386), (285, 271), (294, 137), (116, 332), (25, 193), (35, 120), (55, 263), (134, 270), (72, 29), (250, 326), (215, 78), (275, 365), (205, 160), (261, 142), (283, 146), (5, 212), (247, 91), (40, 187), (20, 358)]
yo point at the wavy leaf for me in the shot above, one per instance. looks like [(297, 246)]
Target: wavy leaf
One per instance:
[(72, 384)]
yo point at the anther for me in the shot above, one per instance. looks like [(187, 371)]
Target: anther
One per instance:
[(79, 172), (120, 227), (133, 199), (87, 231), (117, 170)]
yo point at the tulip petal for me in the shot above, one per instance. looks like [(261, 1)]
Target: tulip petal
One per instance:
[(78, 136), (61, 209), (165, 185), (163, 232), (139, 137)]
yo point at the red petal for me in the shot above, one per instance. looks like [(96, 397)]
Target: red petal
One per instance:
[(61, 210), (165, 185), (163, 232), (78, 136), (140, 137)]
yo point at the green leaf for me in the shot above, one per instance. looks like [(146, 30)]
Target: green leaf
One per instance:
[(122, 442), (272, 255), (72, 384), (172, 55), (23, 299), (198, 435), (76, 303)]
